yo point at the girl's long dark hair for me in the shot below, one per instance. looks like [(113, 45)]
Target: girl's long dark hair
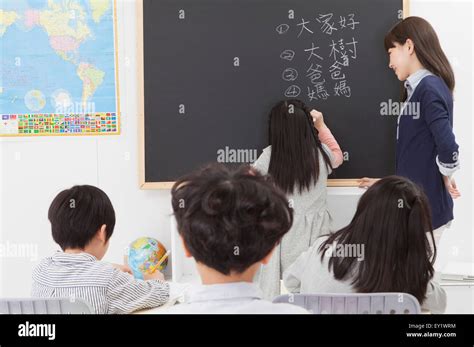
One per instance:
[(392, 223), (294, 161), (427, 47)]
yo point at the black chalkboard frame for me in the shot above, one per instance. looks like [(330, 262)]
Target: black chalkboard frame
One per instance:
[(146, 185)]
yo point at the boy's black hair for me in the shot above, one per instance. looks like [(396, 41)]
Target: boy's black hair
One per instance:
[(230, 219), (76, 214)]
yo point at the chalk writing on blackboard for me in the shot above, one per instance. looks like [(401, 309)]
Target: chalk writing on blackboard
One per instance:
[(311, 52), (293, 92), (330, 48), (290, 74), (327, 25), (282, 29), (304, 27), (287, 55)]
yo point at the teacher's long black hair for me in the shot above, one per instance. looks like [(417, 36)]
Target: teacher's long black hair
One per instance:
[(392, 222), (427, 47), (295, 145)]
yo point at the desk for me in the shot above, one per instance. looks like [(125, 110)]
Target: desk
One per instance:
[(156, 310), (460, 296), (176, 294)]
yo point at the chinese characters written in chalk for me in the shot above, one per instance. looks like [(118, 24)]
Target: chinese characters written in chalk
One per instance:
[(330, 46)]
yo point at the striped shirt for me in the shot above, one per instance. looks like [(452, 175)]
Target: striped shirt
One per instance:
[(107, 289)]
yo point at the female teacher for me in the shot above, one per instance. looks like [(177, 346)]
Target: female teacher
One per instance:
[(427, 152)]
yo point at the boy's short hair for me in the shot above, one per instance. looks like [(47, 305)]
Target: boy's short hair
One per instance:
[(230, 219), (76, 214)]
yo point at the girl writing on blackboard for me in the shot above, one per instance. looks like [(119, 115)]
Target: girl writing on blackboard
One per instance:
[(427, 152), (300, 157)]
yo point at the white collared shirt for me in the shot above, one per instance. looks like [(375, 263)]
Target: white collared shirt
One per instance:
[(414, 79), (230, 298)]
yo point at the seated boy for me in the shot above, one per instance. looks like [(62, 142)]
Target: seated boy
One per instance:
[(229, 221), (82, 221)]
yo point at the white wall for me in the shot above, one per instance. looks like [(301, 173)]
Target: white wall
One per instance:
[(34, 170), (1, 219), (452, 21)]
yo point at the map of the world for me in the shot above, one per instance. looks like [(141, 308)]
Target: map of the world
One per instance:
[(58, 68)]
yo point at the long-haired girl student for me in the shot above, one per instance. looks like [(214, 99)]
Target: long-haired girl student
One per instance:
[(301, 155), (383, 249), (427, 152)]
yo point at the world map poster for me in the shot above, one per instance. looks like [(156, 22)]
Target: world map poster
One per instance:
[(58, 68)]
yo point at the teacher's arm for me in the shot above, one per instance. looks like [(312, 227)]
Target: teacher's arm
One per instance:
[(436, 117)]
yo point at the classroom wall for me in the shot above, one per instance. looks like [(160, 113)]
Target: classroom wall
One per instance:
[(34, 170), (453, 22), (1, 217)]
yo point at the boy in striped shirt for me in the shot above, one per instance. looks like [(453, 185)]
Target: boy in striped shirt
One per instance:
[(82, 221)]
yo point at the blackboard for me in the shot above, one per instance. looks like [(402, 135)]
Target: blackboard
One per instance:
[(210, 71)]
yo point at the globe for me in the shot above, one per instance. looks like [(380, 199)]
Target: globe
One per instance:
[(35, 100), (61, 101), (144, 254)]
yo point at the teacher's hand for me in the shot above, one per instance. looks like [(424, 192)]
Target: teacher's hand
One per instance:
[(366, 182), (451, 187)]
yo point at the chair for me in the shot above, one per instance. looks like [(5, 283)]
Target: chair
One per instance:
[(44, 306), (354, 303)]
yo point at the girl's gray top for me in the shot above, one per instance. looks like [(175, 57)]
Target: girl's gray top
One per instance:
[(311, 219), (309, 275)]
